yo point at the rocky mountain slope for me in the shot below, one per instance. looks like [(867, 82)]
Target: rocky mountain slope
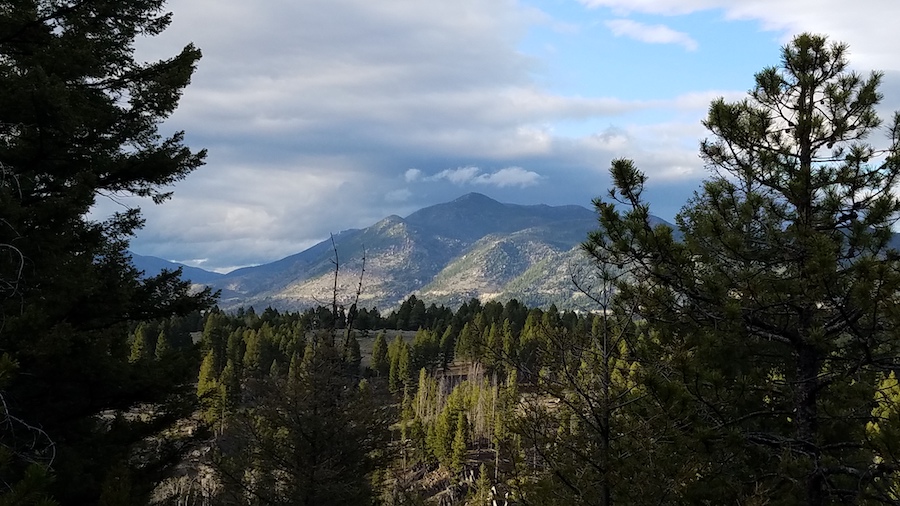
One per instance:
[(473, 246)]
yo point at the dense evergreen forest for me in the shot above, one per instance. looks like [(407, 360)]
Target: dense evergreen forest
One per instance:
[(291, 401), (752, 361)]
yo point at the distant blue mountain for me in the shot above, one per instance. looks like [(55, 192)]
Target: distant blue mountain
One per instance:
[(154, 265)]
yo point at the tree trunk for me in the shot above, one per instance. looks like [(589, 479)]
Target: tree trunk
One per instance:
[(806, 420)]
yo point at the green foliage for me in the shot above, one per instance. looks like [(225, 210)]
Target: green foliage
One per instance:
[(380, 363), (141, 348), (460, 446), (209, 391), (404, 365), (774, 320), (229, 382), (28, 490), (394, 379), (425, 350), (448, 345), (467, 342), (312, 438), (482, 488), (352, 354), (79, 118), (163, 350)]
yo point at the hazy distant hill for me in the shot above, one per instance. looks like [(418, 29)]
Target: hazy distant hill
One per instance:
[(153, 265), (448, 253)]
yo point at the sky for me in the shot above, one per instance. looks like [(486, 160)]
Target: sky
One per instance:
[(326, 115)]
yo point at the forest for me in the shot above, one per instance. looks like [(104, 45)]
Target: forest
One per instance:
[(752, 361)]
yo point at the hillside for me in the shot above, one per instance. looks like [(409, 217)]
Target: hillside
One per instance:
[(448, 253)]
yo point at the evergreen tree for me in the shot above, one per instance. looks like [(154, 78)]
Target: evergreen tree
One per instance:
[(311, 439), (483, 487), (274, 371), (140, 346), (208, 390), (394, 379), (466, 343), (460, 447), (510, 342), (448, 345), (402, 315), (417, 315), (215, 339), (528, 359), (163, 348), (404, 365), (79, 117), (775, 318), (380, 363), (231, 386), (352, 355), (493, 351)]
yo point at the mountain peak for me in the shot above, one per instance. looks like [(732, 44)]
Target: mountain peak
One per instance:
[(473, 246), (475, 197)]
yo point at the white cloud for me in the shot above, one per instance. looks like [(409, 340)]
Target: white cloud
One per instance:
[(507, 177), (867, 25), (457, 176), (412, 175), (308, 109), (510, 176), (668, 7), (652, 34)]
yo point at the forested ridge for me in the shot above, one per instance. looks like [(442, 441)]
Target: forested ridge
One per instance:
[(748, 357)]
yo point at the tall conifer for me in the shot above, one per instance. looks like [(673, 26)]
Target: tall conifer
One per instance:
[(775, 318)]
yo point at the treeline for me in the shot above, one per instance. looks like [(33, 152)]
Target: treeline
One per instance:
[(412, 315), (246, 345)]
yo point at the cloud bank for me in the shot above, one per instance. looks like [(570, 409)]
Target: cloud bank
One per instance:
[(509, 176), (324, 115), (652, 34)]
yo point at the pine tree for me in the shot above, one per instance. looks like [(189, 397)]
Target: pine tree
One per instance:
[(79, 118), (140, 346), (448, 345), (459, 449), (380, 363), (163, 348), (208, 390), (353, 355), (404, 365), (314, 437), (216, 339), (231, 386), (466, 342), (483, 487), (775, 316), (394, 379)]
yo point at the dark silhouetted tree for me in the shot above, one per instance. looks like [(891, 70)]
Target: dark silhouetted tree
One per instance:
[(775, 317), (79, 118)]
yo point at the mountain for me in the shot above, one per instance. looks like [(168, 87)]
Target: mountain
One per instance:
[(151, 265), (448, 253)]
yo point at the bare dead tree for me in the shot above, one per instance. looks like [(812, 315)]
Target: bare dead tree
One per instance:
[(10, 279), (336, 261), (354, 308)]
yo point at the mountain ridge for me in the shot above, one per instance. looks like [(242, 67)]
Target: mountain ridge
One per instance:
[(472, 246)]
